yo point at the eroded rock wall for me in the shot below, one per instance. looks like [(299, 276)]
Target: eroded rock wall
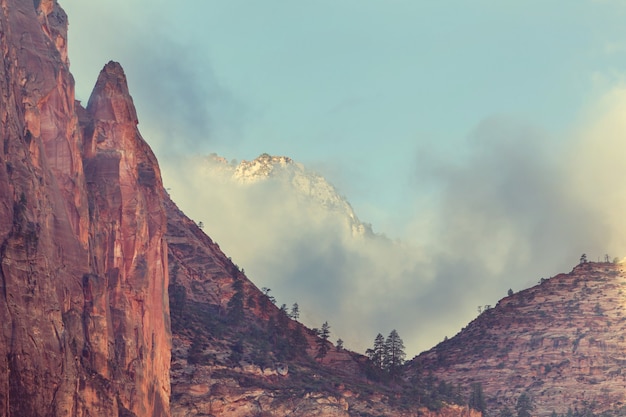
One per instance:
[(84, 324), (128, 254)]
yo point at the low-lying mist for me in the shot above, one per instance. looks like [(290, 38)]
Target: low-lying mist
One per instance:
[(520, 206)]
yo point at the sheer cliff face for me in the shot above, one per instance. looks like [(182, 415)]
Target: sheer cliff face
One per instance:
[(126, 294), (83, 308)]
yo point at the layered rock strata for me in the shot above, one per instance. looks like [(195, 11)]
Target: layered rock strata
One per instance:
[(561, 342), (126, 296)]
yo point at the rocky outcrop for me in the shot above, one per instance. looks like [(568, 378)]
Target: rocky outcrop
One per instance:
[(560, 342), (83, 308), (43, 218)]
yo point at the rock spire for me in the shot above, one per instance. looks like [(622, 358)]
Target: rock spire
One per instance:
[(84, 318)]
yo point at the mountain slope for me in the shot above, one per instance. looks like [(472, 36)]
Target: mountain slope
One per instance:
[(294, 233), (561, 342), (236, 354)]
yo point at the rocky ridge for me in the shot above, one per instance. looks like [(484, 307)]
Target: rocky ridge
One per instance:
[(561, 342), (260, 361)]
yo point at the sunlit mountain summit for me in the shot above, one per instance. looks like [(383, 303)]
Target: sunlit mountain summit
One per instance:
[(304, 183)]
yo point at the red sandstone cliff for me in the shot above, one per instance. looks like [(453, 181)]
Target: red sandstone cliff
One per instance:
[(83, 308), (126, 294)]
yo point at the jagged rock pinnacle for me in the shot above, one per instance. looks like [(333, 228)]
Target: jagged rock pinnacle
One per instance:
[(110, 99)]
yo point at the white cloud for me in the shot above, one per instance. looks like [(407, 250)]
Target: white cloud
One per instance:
[(305, 253), (521, 206)]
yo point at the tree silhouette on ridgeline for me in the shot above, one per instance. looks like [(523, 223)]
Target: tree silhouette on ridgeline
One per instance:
[(322, 341), (387, 356)]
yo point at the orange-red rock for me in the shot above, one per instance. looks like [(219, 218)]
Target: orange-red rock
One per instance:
[(127, 250), (84, 325)]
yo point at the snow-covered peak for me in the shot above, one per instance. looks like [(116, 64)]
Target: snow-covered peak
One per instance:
[(263, 167), (303, 182)]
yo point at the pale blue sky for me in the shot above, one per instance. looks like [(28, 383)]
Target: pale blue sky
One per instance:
[(490, 134), (352, 88)]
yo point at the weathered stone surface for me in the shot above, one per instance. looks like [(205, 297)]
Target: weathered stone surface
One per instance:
[(84, 327), (562, 342), (127, 250), (43, 218)]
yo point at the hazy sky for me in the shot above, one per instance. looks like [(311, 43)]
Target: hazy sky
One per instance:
[(490, 135)]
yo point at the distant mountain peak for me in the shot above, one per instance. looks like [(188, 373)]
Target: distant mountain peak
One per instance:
[(263, 167), (300, 180)]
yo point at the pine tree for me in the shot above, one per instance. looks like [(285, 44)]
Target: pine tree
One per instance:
[(377, 354), (283, 319), (264, 302), (524, 406), (394, 354), (322, 341), (477, 398), (235, 304), (295, 311)]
